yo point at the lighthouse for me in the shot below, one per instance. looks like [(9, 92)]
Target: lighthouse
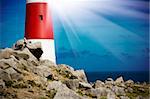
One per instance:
[(39, 27)]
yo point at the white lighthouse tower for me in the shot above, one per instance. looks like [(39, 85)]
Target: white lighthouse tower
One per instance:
[(39, 28)]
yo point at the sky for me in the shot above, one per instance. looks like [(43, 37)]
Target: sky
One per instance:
[(94, 35)]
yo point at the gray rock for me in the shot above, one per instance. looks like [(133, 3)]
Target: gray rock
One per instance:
[(25, 54), (4, 75), (124, 97), (102, 91), (57, 85), (139, 97), (72, 84), (19, 45), (109, 81), (16, 76), (85, 85), (119, 80), (129, 82), (129, 89), (10, 71), (111, 95), (99, 84), (80, 74), (6, 53), (47, 63), (2, 84), (63, 92), (42, 71), (6, 63), (118, 90), (67, 94)]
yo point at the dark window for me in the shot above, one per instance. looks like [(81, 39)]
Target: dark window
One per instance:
[(41, 17)]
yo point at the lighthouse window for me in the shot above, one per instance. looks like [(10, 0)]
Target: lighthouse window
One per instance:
[(41, 17)]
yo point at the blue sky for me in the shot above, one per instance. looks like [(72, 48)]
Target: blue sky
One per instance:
[(95, 35)]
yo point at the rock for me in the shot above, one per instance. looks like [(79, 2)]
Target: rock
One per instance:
[(139, 97), (19, 45), (42, 71), (111, 95), (6, 63), (10, 71), (63, 92), (80, 74), (2, 84), (85, 85), (109, 81), (119, 80), (118, 90), (129, 89), (4, 75), (99, 84), (67, 94), (57, 85), (47, 63), (16, 76), (34, 48), (129, 82), (72, 84), (124, 97), (6, 53), (102, 91)]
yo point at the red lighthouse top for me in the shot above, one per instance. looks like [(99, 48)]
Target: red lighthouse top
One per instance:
[(38, 20)]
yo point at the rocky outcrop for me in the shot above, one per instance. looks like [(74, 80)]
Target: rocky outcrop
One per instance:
[(24, 76)]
